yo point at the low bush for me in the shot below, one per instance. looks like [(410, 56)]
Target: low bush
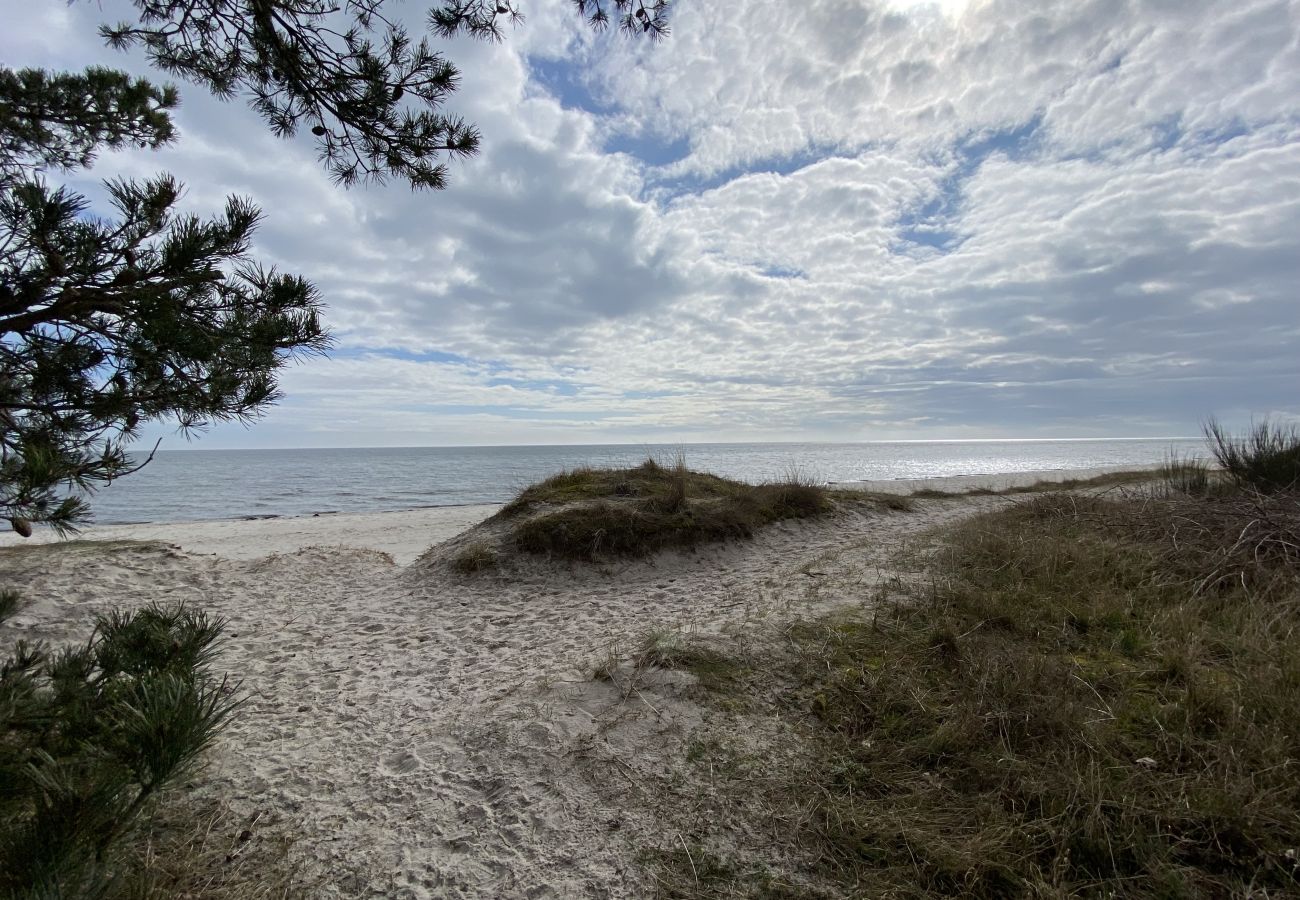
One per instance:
[(1266, 458), (90, 736)]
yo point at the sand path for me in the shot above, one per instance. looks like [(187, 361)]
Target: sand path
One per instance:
[(425, 733)]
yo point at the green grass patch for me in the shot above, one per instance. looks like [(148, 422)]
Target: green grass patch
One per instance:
[(714, 671), (585, 514)]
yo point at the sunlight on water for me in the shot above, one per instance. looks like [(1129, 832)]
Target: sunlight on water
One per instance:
[(218, 484)]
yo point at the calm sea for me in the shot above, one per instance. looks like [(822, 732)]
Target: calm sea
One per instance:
[(184, 485)]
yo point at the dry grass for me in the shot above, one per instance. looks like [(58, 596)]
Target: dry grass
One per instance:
[(1093, 696), (206, 852), (477, 557), (1105, 480)]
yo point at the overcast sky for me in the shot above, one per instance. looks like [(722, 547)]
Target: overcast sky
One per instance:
[(831, 220)]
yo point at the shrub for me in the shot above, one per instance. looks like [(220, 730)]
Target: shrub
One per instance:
[(89, 737), (1266, 458)]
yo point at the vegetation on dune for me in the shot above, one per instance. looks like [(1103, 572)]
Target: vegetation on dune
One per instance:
[(90, 736), (1187, 475), (1266, 458), (587, 513), (1090, 696), (475, 558), (1084, 704)]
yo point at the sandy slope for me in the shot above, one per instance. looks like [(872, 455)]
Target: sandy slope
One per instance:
[(434, 735)]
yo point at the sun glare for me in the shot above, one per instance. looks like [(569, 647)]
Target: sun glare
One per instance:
[(950, 8)]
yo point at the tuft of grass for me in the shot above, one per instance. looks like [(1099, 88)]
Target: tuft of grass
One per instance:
[(1266, 458), (715, 672), (475, 558), (589, 513), (1186, 475)]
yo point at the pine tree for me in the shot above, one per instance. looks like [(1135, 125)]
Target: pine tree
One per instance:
[(110, 323)]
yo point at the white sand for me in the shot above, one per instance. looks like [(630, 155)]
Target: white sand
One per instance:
[(425, 734), (402, 535)]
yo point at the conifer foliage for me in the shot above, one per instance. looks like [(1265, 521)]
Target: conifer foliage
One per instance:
[(107, 323), (91, 735)]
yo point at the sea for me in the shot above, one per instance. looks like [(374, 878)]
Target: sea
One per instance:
[(195, 484)]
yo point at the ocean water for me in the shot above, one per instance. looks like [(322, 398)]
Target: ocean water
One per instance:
[(181, 485)]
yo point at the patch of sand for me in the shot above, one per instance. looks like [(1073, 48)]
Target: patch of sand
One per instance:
[(402, 535)]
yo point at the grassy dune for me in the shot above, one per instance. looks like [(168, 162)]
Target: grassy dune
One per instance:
[(586, 513)]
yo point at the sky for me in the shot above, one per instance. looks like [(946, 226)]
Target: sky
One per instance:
[(838, 220)]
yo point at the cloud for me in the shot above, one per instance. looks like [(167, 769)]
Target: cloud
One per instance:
[(835, 220)]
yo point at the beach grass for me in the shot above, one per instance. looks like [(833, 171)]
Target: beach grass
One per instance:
[(1087, 696), (477, 557)]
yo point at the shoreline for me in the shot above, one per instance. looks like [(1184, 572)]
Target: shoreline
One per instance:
[(405, 534)]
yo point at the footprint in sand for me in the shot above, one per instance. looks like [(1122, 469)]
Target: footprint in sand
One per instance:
[(403, 762)]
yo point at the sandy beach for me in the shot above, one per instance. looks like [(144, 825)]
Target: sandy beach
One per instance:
[(421, 733)]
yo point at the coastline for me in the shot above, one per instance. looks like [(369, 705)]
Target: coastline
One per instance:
[(406, 534)]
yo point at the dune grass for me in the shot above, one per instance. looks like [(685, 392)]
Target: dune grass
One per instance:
[(1266, 458), (475, 558), (1081, 705), (590, 513), (1091, 696)]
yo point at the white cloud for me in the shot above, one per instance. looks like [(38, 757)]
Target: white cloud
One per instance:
[(1016, 216)]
